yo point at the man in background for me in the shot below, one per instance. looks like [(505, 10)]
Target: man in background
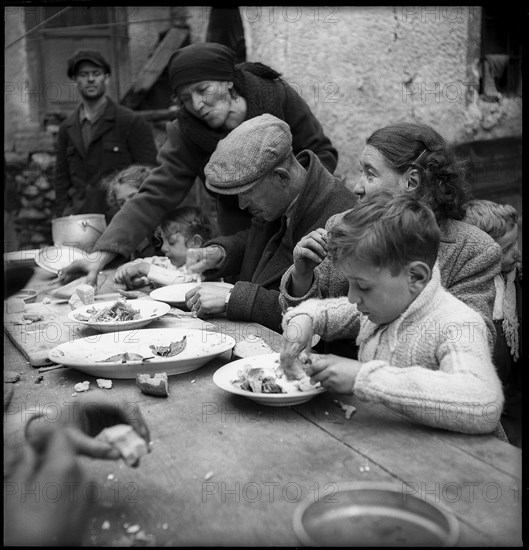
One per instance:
[(100, 136)]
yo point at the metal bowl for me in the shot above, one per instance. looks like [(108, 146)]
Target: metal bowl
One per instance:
[(373, 514), (26, 295)]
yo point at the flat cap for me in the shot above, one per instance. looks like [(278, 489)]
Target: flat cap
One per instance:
[(248, 153), (93, 56)]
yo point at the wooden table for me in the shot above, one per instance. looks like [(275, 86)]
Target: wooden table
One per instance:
[(226, 471)]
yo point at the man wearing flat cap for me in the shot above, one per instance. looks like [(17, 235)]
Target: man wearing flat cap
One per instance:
[(215, 95), (287, 195), (99, 137)]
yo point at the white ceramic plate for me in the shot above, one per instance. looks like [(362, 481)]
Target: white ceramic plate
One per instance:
[(175, 294), (149, 310), (53, 258), (83, 353), (223, 379)]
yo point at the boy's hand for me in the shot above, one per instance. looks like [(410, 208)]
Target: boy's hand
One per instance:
[(297, 336), (335, 373), (199, 260)]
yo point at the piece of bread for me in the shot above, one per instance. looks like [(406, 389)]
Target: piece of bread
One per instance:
[(86, 293), (252, 345), (130, 445), (153, 384)]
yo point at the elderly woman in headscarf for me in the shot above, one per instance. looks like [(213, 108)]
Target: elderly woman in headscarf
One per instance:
[(215, 95)]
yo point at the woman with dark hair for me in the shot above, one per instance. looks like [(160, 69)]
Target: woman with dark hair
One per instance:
[(215, 96), (414, 158)]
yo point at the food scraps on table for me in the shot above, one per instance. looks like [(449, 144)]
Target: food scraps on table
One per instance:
[(104, 384), (174, 348), (118, 312), (82, 386), (153, 384), (130, 445), (29, 318), (348, 409)]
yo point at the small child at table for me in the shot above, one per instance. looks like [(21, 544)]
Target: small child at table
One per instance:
[(180, 229), (122, 185), (500, 221), (422, 352)]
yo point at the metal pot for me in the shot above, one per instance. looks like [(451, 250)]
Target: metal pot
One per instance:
[(79, 231)]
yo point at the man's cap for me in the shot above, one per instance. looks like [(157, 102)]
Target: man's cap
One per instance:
[(247, 153), (93, 56), (201, 61)]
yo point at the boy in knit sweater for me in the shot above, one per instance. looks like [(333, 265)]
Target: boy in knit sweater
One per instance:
[(422, 352)]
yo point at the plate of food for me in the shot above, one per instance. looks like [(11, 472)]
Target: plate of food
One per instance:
[(149, 351), (174, 295), (262, 379), (56, 257), (119, 314)]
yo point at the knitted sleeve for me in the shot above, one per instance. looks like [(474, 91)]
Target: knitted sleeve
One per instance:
[(463, 395), (327, 282), (332, 319)]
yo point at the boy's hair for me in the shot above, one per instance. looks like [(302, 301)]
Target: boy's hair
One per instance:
[(492, 217), (133, 175), (387, 231), (190, 222)]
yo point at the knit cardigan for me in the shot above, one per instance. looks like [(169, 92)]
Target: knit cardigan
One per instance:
[(432, 364), (468, 259)]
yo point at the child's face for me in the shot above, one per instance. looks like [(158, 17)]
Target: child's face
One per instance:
[(124, 192), (174, 247), (509, 250), (378, 294)]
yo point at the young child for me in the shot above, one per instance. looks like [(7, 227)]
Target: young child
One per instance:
[(422, 352), (121, 186), (500, 221), (183, 228)]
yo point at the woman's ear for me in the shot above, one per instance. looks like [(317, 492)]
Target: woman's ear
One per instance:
[(419, 275), (196, 241), (414, 179)]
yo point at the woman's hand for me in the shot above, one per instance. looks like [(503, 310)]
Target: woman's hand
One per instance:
[(91, 264), (132, 274), (83, 420), (335, 373), (310, 251)]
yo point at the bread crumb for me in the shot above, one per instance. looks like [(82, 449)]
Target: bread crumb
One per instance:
[(104, 384), (82, 386), (209, 475), (105, 525), (133, 529)]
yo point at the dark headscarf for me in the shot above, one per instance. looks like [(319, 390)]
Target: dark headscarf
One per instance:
[(201, 61)]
